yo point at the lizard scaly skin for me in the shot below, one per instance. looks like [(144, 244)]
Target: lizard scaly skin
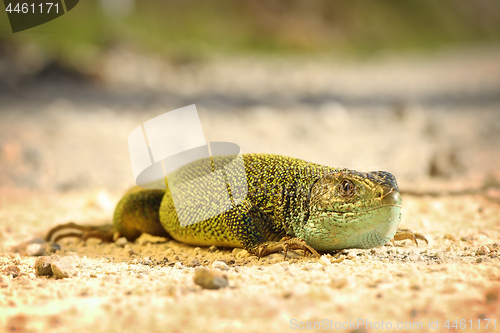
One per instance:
[(327, 208)]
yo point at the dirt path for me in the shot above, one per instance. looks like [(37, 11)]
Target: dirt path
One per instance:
[(64, 158)]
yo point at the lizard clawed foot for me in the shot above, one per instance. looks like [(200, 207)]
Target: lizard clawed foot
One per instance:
[(402, 234), (285, 244), (105, 232)]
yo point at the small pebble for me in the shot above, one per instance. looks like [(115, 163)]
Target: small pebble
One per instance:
[(236, 250), (194, 263), (121, 242), (220, 265), (242, 254), (338, 260), (22, 248), (35, 250), (43, 266), (351, 254), (11, 270), (483, 250), (492, 295), (53, 247), (63, 268), (450, 237), (209, 278), (212, 248), (325, 261)]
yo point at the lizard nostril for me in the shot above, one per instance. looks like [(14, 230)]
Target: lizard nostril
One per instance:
[(390, 199)]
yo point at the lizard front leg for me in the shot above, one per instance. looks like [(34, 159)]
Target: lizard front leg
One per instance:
[(285, 244), (258, 233), (402, 234)]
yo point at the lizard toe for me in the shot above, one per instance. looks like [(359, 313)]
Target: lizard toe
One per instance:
[(402, 234)]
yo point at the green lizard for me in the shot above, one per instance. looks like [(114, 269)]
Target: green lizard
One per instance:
[(290, 204)]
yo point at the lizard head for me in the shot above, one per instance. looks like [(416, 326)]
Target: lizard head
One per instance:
[(352, 209)]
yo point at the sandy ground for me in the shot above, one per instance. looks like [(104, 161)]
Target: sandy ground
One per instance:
[(433, 122)]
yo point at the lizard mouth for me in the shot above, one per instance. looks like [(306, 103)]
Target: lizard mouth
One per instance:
[(392, 199), (359, 211), (388, 197)]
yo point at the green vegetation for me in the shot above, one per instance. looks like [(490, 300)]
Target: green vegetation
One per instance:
[(193, 28)]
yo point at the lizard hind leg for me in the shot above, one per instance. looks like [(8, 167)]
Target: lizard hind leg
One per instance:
[(104, 232)]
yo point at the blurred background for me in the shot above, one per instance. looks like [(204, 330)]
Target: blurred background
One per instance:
[(411, 87)]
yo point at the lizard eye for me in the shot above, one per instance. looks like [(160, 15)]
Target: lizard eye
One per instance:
[(346, 188)]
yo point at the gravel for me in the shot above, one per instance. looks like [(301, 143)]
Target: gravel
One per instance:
[(64, 157)]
